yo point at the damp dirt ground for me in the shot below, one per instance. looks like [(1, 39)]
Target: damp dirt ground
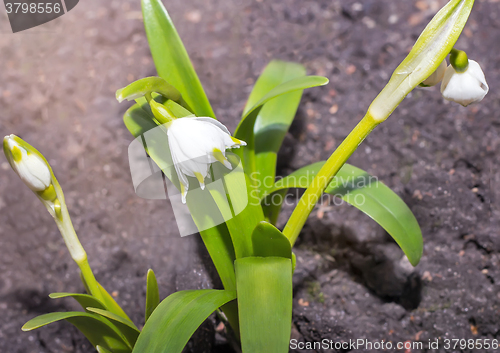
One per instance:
[(57, 88)]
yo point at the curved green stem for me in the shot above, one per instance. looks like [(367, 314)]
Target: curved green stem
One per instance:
[(325, 176)]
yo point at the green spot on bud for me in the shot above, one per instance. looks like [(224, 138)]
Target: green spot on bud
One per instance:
[(17, 155), (48, 194)]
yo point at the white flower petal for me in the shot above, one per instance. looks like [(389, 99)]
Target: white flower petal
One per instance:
[(192, 142), (465, 87), (436, 76)]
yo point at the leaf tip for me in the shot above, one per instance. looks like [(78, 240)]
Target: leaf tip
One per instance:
[(119, 96)]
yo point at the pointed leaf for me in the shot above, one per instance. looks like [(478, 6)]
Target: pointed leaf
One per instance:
[(84, 300), (245, 129), (152, 294), (274, 118), (264, 286), (370, 196), (269, 241), (98, 331), (126, 327), (171, 58), (147, 85), (177, 318)]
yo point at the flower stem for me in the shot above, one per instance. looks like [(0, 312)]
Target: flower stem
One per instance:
[(325, 176), (76, 249), (89, 278)]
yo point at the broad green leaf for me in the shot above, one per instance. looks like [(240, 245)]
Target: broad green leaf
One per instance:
[(245, 129), (152, 294), (274, 118), (126, 327), (372, 197), (97, 330), (177, 317), (264, 286), (269, 241), (171, 58), (84, 300), (112, 305)]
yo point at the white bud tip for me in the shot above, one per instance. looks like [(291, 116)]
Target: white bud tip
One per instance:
[(30, 167)]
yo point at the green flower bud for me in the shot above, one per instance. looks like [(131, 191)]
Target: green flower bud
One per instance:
[(27, 162), (162, 114)]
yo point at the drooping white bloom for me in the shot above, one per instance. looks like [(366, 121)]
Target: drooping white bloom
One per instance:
[(464, 87), (436, 76), (30, 167), (195, 143)]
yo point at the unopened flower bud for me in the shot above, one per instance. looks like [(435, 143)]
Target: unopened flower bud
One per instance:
[(161, 113), (27, 163)]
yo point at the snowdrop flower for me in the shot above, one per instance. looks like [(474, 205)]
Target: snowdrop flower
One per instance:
[(436, 76), (464, 87), (30, 167), (195, 143)]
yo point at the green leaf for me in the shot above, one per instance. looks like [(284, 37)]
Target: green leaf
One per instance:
[(245, 129), (272, 205), (171, 58), (97, 330), (152, 294), (126, 327), (240, 210), (177, 317), (84, 300), (264, 286), (371, 196), (147, 85), (274, 118), (269, 241), (138, 121)]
